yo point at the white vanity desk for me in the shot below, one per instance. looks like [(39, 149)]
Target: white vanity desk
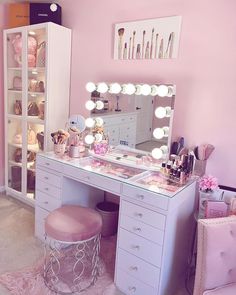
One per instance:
[(154, 232)]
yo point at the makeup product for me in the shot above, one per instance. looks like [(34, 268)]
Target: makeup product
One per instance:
[(151, 47), (163, 168), (120, 42), (160, 55), (143, 44), (138, 53), (168, 46), (125, 51), (156, 47), (129, 54), (171, 45), (147, 51), (133, 45)]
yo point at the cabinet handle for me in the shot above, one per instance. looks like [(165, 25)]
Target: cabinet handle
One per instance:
[(46, 203), (135, 247), (46, 188), (141, 197), (87, 177), (138, 214), (132, 289), (137, 229), (46, 177), (133, 268), (48, 164)]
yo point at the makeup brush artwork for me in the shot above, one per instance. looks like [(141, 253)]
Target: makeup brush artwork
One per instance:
[(148, 39)]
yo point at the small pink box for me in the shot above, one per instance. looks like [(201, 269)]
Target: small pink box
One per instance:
[(215, 209)]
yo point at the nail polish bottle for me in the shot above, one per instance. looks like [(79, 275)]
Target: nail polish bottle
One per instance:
[(163, 168)]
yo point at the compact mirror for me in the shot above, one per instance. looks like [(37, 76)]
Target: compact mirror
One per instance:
[(135, 115), (77, 121)]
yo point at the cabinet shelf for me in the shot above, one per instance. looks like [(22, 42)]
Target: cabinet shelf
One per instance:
[(19, 164), (30, 147), (15, 117), (14, 69), (14, 90), (35, 120), (35, 93), (37, 69)]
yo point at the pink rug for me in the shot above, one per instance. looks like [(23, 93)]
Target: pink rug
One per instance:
[(30, 280)]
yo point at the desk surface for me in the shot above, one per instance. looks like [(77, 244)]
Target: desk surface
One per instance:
[(151, 181)]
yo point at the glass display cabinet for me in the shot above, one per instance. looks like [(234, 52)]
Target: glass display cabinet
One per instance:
[(36, 82)]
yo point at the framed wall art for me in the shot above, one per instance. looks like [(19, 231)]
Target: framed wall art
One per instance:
[(148, 39)]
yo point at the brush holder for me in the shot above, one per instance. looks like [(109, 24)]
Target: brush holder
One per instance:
[(199, 167), (59, 149)]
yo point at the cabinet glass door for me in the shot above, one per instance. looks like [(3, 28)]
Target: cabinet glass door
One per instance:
[(15, 148), (14, 73)]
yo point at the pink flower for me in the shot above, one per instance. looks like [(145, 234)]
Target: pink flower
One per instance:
[(208, 183)]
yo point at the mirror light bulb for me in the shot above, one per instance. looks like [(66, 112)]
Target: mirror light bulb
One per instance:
[(98, 137), (130, 89), (162, 90), (138, 90), (157, 153), (99, 122), (90, 105), (160, 112), (154, 90), (146, 89), (99, 105), (89, 122), (102, 87), (158, 133), (90, 87), (166, 131), (115, 88), (89, 139)]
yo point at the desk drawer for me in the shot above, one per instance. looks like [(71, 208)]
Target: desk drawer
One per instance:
[(141, 229), (144, 196), (48, 163), (49, 178), (47, 202), (140, 247), (46, 188), (139, 269), (93, 179), (144, 215), (131, 286)]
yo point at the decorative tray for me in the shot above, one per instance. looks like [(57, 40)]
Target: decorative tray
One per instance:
[(108, 168), (130, 157)]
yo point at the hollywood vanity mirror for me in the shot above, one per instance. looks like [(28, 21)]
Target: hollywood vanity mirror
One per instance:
[(135, 115)]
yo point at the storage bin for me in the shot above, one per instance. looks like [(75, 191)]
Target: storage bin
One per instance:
[(109, 212)]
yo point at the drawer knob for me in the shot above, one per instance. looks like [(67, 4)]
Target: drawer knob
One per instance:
[(135, 247), (132, 289), (46, 177), (133, 268), (141, 197), (137, 229), (46, 203), (48, 164), (46, 188), (87, 177), (138, 214)]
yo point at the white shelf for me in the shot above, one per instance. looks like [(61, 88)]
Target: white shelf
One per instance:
[(14, 69), (35, 93), (15, 117), (15, 91), (35, 120), (37, 69), (30, 147), (19, 164)]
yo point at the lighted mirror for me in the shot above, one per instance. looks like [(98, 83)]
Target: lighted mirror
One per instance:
[(135, 115)]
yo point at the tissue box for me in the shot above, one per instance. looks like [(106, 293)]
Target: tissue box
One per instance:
[(216, 209), (45, 12)]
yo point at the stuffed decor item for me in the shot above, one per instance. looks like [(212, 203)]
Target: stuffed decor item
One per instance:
[(33, 109), (17, 107), (32, 50), (31, 136)]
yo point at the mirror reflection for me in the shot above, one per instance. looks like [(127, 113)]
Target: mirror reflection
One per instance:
[(138, 118)]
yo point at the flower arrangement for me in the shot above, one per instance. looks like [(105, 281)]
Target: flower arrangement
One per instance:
[(208, 183)]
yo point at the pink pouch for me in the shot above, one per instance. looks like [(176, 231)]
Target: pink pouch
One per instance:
[(17, 83)]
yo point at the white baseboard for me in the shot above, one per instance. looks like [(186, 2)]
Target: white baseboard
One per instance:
[(2, 189)]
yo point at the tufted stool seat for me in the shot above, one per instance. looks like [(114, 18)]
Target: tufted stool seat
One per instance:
[(73, 234)]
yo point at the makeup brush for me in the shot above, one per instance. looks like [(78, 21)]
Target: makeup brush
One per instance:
[(147, 56), (143, 43), (129, 55), (120, 42), (167, 48), (138, 53), (160, 55), (156, 48), (171, 45), (151, 47), (125, 51), (133, 46)]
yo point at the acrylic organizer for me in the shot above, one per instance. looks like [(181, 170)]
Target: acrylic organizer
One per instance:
[(199, 167), (109, 168)]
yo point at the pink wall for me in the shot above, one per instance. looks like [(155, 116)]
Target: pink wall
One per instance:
[(1, 99), (205, 72)]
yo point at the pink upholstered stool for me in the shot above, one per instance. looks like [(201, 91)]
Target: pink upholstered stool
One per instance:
[(73, 233)]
